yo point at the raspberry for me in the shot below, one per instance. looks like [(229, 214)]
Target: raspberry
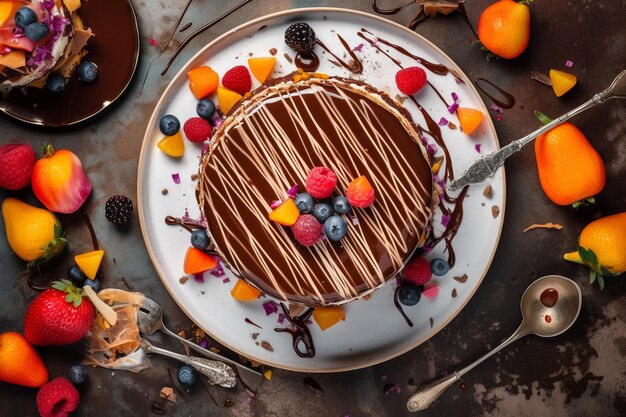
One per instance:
[(360, 192), (16, 165), (307, 230), (57, 398), (417, 272), (118, 209), (197, 129), (321, 182), (237, 79), (410, 80)]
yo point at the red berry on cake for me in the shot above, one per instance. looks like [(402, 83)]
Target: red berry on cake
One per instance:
[(16, 165), (238, 79), (58, 398), (410, 80), (321, 182), (197, 129), (417, 272), (307, 230), (360, 192)]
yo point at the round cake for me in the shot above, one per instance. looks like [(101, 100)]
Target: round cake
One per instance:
[(270, 141)]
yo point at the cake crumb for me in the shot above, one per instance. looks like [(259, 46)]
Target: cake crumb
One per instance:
[(453, 293), (168, 394), (267, 346), (288, 58), (495, 211), (254, 336), (431, 322), (183, 279), (164, 191), (273, 51), (451, 125), (194, 177), (488, 191)]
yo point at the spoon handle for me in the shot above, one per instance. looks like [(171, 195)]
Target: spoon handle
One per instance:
[(427, 394)]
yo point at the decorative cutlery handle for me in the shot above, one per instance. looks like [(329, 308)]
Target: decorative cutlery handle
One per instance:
[(218, 373)]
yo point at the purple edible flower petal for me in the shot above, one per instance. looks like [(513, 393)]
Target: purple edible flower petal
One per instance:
[(398, 390), (445, 220), (270, 307), (176, 178), (569, 63), (498, 118), (226, 280), (186, 216), (199, 278), (431, 149), (203, 343), (358, 47), (48, 4), (275, 204), (443, 121), (384, 377), (281, 318), (292, 191), (497, 108), (218, 271), (453, 107), (477, 147), (248, 400), (206, 146), (355, 220), (455, 97)]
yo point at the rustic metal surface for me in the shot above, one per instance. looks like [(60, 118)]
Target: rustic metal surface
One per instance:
[(579, 373)]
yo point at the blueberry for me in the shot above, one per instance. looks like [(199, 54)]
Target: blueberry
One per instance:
[(187, 376), (341, 205), (409, 294), (199, 239), (335, 228), (76, 276), (305, 202), (36, 31), (24, 17), (439, 267), (169, 125), (55, 82), (87, 72), (77, 374), (322, 211), (95, 284), (205, 108)]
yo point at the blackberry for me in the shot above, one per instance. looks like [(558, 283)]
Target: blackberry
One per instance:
[(300, 37), (118, 209)]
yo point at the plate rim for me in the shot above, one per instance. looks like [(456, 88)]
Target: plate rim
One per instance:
[(147, 137), (137, 52)]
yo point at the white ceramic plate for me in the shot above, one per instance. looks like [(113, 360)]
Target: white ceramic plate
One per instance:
[(374, 331)]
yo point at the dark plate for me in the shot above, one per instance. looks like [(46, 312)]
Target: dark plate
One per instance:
[(114, 48)]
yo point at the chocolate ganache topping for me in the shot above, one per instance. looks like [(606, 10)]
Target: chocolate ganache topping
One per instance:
[(271, 141)]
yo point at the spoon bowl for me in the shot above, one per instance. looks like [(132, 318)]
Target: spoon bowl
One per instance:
[(546, 320)]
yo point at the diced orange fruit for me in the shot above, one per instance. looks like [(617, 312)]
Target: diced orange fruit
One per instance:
[(202, 81), (6, 7), (286, 214), (72, 5), (173, 146), (227, 98), (326, 317), (360, 192), (469, 119), (242, 291), (14, 59), (90, 262), (562, 82), (197, 261), (261, 68)]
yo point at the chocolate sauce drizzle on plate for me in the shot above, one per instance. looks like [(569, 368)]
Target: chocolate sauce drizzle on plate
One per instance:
[(308, 62), (187, 224), (504, 100), (355, 66), (396, 302), (300, 332)]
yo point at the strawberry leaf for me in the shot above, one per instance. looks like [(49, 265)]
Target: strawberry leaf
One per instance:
[(601, 281), (542, 117), (78, 301), (592, 276), (69, 298), (57, 285), (585, 202), (588, 256)]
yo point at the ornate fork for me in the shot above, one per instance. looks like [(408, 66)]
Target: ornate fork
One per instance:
[(488, 164)]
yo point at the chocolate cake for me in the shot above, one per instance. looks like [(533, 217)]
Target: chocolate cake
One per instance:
[(270, 141)]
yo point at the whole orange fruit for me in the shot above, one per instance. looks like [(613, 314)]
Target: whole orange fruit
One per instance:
[(504, 28)]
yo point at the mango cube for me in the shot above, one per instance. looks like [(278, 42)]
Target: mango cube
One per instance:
[(469, 119), (173, 146), (562, 82), (90, 262), (326, 317), (286, 214), (227, 99), (261, 68), (242, 291)]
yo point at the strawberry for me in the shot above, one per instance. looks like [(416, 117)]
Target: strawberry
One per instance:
[(417, 272), (57, 398), (197, 129), (410, 80), (16, 165), (58, 316), (19, 362), (237, 79)]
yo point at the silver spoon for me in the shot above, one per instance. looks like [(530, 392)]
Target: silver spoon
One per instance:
[(550, 306), (488, 164), (150, 319), (218, 373)]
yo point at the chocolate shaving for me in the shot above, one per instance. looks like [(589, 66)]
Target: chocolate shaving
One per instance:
[(267, 346), (273, 51), (495, 211), (543, 226), (432, 8), (488, 191), (183, 279), (288, 58), (462, 279), (454, 293)]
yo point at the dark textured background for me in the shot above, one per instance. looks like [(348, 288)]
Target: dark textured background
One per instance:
[(580, 373)]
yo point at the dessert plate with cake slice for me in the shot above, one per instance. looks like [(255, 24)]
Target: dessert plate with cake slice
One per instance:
[(338, 126), (43, 45)]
